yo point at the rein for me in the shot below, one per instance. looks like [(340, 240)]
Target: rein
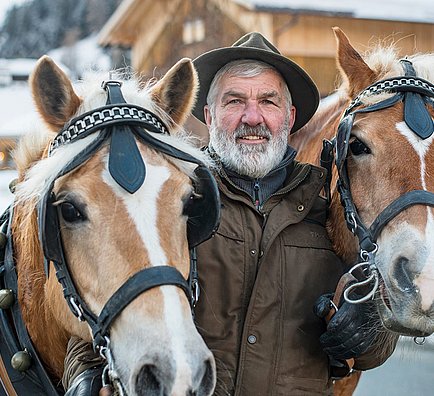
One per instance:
[(414, 93)]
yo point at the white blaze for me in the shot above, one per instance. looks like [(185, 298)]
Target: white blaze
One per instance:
[(426, 278), (142, 207)]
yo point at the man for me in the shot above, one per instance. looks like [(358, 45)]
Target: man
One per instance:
[(270, 259)]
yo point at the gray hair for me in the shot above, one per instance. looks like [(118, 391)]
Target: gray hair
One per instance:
[(242, 68)]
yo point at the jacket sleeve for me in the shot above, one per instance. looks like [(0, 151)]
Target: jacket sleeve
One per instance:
[(379, 352)]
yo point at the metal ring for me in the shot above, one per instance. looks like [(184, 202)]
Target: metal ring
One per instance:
[(368, 296), (77, 308), (333, 305), (351, 218), (419, 340)]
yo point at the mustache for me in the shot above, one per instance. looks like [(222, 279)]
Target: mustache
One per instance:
[(245, 130)]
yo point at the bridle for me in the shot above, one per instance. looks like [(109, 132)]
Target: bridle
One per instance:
[(120, 124), (415, 93)]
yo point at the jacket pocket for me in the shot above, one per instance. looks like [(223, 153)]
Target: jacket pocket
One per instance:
[(303, 387)]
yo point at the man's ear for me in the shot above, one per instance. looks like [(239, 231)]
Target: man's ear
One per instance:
[(207, 114), (292, 114)]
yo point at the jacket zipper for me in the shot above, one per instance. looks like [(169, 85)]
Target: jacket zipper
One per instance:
[(256, 193)]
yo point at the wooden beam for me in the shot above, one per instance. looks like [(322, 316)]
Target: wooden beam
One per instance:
[(158, 16)]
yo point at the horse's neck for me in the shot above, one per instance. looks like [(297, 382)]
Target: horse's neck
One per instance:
[(308, 140), (47, 336)]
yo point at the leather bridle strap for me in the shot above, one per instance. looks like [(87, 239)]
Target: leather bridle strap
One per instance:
[(142, 281), (415, 197)]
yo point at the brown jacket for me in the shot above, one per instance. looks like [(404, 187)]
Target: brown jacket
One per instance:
[(260, 275)]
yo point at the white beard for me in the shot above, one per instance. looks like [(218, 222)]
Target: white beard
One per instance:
[(253, 160)]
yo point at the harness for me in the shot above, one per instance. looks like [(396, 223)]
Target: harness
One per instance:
[(415, 93), (120, 124)]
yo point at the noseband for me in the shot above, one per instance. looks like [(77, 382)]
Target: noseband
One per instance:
[(415, 93)]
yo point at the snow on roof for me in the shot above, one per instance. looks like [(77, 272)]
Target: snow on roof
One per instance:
[(395, 10), (18, 67)]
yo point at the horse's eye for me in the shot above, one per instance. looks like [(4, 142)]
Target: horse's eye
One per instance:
[(189, 202), (70, 213), (357, 147)]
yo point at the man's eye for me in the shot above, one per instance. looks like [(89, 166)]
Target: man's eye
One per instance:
[(357, 147)]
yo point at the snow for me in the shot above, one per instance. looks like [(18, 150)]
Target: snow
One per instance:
[(84, 55), (16, 110), (6, 197), (398, 10)]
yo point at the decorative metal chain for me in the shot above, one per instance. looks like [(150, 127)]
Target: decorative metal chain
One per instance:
[(390, 85), (102, 116)]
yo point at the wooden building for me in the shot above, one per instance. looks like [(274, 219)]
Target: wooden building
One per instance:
[(160, 33)]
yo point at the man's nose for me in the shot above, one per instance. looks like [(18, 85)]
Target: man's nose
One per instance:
[(252, 114)]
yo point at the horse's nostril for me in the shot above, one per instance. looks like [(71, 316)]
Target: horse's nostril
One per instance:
[(148, 383), (208, 380), (403, 275)]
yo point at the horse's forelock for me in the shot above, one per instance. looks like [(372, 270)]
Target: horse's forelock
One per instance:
[(41, 175), (424, 65), (31, 146)]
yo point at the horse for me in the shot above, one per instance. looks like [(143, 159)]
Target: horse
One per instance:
[(108, 205), (378, 127)]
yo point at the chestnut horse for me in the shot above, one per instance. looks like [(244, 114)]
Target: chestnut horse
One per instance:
[(106, 202), (385, 165)]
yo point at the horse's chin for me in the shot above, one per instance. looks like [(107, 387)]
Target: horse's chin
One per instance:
[(389, 319)]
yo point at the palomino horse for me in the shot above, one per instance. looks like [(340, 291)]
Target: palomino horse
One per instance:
[(381, 127), (106, 205)]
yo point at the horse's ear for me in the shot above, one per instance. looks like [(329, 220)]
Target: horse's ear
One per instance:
[(176, 92), (53, 94), (351, 64)]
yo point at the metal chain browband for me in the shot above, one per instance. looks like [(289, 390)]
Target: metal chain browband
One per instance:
[(400, 84), (107, 115)]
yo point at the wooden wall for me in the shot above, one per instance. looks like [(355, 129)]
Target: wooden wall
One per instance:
[(309, 40)]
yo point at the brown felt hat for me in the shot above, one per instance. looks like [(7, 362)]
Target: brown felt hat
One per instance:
[(255, 46)]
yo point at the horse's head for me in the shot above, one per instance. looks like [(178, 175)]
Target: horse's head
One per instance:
[(118, 190), (385, 157)]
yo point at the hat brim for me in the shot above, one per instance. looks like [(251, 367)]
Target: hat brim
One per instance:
[(303, 90)]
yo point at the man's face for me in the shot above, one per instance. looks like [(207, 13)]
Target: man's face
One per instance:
[(250, 126)]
